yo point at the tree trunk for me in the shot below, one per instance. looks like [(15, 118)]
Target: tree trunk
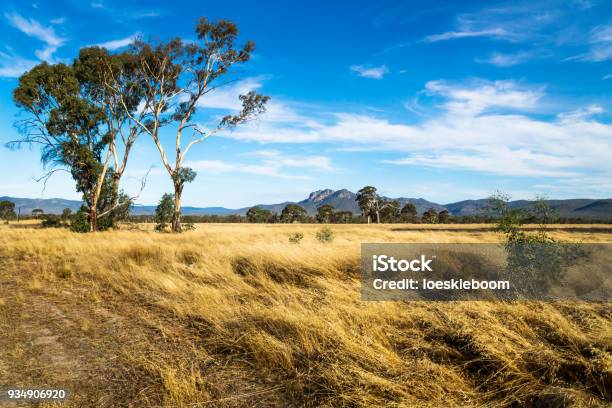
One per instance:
[(369, 218), (377, 217), (93, 218), (176, 216), (115, 198)]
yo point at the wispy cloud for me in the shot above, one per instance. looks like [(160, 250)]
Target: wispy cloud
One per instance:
[(370, 72), (510, 23), (12, 66), (274, 164), (483, 126), (33, 28), (120, 43), (276, 158), (451, 35), (479, 96), (506, 60), (600, 48)]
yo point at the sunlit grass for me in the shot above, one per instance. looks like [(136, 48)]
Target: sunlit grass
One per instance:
[(236, 315)]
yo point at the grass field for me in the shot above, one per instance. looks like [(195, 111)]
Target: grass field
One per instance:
[(234, 315)]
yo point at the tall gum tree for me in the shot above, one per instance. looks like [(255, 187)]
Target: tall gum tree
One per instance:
[(175, 77), (76, 118), (113, 86), (68, 128)]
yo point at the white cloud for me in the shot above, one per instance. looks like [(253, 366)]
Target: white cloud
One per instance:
[(483, 126), (226, 96), (517, 22), (506, 60), (120, 43), (278, 159), (370, 72), (600, 45), (607, 76), (12, 66), (581, 114), (272, 163), (219, 166), (33, 28), (451, 35), (475, 98)]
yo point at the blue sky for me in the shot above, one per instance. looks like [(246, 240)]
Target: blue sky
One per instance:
[(432, 99)]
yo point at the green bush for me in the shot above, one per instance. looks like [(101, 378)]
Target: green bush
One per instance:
[(325, 235), (296, 237), (187, 226), (80, 222), (52, 221)]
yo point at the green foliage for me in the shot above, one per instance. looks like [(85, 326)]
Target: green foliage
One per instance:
[(325, 214), (343, 217), (408, 213), (533, 258), (188, 226), (66, 214), (258, 215), (325, 235), (430, 216), (444, 217), (52, 221), (293, 213), (80, 222), (295, 238), (7, 210), (366, 199), (389, 210), (37, 212), (164, 212)]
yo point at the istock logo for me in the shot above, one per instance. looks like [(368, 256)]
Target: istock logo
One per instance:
[(384, 263)]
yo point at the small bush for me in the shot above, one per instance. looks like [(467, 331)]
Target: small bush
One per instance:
[(325, 235), (161, 227), (52, 221), (80, 223), (296, 237), (187, 226)]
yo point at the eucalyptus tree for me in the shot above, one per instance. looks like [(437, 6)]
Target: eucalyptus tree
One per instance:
[(111, 83), (75, 117), (388, 210), (258, 215), (293, 213), (366, 199), (66, 126), (176, 76), (325, 214), (408, 212), (7, 210)]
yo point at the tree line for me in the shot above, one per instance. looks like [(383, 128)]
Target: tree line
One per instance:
[(87, 116)]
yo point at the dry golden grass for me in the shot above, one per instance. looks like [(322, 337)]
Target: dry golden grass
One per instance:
[(235, 315)]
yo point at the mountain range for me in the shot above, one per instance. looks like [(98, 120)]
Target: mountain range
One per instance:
[(344, 200)]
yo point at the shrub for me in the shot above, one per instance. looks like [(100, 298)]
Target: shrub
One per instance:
[(187, 226), (80, 223), (296, 237), (325, 235), (52, 221)]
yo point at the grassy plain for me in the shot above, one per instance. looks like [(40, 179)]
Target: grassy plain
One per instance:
[(234, 315)]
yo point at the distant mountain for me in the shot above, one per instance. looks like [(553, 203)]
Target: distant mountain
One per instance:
[(48, 205), (344, 200)]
